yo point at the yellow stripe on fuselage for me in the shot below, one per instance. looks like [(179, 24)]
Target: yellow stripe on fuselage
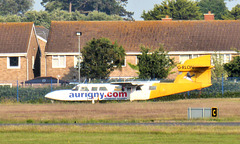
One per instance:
[(164, 89)]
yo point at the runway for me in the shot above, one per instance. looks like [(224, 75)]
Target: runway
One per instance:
[(135, 124)]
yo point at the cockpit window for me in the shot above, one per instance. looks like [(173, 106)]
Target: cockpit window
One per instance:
[(75, 88), (102, 89), (84, 89), (94, 88)]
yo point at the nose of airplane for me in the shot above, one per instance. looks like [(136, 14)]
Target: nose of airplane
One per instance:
[(50, 95), (58, 94)]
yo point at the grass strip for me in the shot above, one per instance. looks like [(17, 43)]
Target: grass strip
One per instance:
[(119, 134), (122, 129)]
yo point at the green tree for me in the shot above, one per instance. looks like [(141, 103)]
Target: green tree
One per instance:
[(10, 18), (218, 7), (15, 6), (233, 67), (100, 16), (41, 18), (218, 69), (176, 9), (234, 14), (100, 57), (154, 65), (44, 18), (110, 7)]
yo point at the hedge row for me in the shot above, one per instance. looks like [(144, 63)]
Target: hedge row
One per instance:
[(27, 95)]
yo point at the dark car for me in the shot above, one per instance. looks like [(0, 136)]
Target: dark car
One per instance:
[(40, 81)]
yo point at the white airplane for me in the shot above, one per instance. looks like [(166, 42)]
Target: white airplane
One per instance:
[(194, 74), (110, 91)]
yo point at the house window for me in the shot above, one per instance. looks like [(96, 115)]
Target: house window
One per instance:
[(137, 60), (227, 58), (13, 62), (194, 56), (183, 58), (223, 58), (76, 59), (58, 61)]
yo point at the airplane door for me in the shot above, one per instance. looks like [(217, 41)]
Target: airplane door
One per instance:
[(128, 90), (93, 90), (138, 94)]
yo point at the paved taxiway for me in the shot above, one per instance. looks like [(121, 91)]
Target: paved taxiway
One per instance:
[(143, 124)]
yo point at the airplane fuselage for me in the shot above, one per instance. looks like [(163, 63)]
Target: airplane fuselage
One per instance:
[(87, 92)]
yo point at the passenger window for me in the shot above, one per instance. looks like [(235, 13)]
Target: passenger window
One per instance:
[(94, 88), (152, 87), (102, 89), (118, 88), (138, 88), (84, 89)]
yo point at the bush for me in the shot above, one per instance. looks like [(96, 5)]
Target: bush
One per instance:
[(27, 95)]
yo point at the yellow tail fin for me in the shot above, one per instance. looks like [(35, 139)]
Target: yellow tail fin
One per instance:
[(196, 70), (194, 74)]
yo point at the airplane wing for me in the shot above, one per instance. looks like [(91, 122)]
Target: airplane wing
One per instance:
[(127, 84), (134, 83)]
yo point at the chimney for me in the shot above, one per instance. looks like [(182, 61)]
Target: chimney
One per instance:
[(209, 16), (167, 18)]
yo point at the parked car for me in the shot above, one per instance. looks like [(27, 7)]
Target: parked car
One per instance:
[(44, 81)]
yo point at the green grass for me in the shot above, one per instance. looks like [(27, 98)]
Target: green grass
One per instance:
[(119, 134), (122, 137)]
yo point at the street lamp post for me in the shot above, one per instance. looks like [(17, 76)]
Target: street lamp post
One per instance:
[(79, 73)]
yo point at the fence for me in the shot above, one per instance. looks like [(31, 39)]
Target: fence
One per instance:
[(15, 91)]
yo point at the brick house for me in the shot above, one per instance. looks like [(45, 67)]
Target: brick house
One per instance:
[(19, 52), (42, 36), (183, 40)]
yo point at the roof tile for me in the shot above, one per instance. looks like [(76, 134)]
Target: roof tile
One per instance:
[(14, 37), (175, 35)]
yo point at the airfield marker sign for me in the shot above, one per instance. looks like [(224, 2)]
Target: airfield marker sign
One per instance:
[(214, 112), (195, 113)]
